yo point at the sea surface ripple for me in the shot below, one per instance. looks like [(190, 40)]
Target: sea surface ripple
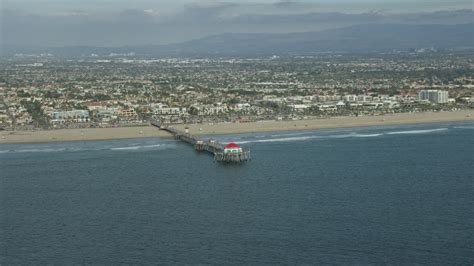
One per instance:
[(375, 195)]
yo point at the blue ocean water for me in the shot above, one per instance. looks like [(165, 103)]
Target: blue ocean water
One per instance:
[(378, 195)]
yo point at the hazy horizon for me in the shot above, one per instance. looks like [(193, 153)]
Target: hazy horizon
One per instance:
[(120, 23)]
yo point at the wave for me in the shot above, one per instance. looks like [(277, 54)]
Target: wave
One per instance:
[(424, 131), (303, 138), (87, 148), (464, 127), (45, 150), (343, 136), (369, 135), (39, 150), (125, 148), (280, 139), (286, 135), (141, 147), (289, 134)]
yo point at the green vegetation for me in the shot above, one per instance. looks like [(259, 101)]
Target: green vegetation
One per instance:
[(34, 109)]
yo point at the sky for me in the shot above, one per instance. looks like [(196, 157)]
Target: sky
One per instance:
[(141, 22)]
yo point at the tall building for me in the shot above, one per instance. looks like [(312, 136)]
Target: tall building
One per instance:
[(434, 96)]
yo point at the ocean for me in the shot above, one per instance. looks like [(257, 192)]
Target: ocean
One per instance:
[(374, 195)]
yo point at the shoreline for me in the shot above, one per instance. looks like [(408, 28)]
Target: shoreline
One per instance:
[(90, 134)]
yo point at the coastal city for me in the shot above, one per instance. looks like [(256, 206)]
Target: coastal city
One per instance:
[(225, 132), (95, 91)]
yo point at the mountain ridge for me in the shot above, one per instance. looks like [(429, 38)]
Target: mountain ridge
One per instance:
[(362, 38)]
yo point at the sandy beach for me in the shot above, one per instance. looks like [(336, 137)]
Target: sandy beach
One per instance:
[(9, 137), (80, 134)]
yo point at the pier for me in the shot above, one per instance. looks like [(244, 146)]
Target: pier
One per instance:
[(231, 153)]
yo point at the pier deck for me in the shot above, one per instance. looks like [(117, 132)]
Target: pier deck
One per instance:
[(211, 146)]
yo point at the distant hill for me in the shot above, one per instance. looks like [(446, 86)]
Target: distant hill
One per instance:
[(355, 39), (360, 38)]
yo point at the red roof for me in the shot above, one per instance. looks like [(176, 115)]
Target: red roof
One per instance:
[(232, 145)]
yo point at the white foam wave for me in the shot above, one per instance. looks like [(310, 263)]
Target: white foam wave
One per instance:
[(125, 148), (39, 150), (44, 150), (342, 136), (80, 149), (424, 131), (280, 139), (354, 135), (368, 135), (303, 138), (140, 147), (289, 134)]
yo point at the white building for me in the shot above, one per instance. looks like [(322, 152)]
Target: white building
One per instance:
[(162, 109), (241, 106), (107, 114), (211, 109), (364, 98), (299, 107), (79, 116), (349, 98), (434, 96)]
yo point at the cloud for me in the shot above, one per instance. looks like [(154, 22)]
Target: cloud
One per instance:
[(135, 16), (152, 26), (207, 11), (291, 4)]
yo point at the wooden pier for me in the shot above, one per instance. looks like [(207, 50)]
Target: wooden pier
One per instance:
[(211, 146)]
